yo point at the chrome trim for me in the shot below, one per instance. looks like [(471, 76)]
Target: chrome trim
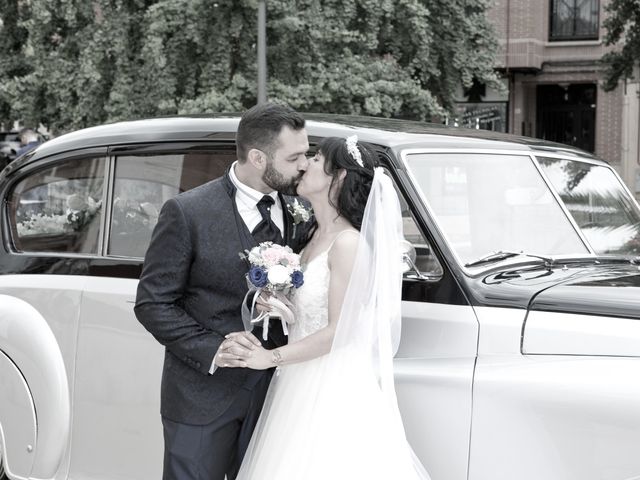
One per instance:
[(505, 151), (122, 257), (26, 169), (77, 256), (591, 161), (60, 255), (107, 206)]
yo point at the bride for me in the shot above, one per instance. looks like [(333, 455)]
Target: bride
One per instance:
[(331, 411)]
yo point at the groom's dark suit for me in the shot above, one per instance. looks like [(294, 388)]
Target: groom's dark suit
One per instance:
[(189, 297)]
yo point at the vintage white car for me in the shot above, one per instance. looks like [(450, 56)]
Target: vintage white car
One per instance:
[(520, 354)]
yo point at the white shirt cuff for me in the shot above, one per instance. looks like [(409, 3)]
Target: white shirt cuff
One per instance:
[(213, 365)]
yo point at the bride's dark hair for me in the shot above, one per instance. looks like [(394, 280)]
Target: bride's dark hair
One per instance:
[(354, 191)]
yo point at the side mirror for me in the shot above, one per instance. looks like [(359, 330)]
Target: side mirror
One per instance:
[(408, 256), (409, 261)]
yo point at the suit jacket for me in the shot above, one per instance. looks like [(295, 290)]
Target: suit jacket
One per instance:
[(190, 296)]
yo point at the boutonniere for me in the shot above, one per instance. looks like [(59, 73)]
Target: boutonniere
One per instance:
[(299, 213)]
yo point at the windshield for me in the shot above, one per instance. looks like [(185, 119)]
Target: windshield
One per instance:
[(486, 203), (606, 214)]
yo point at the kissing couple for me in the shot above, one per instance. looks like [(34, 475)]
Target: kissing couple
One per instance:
[(329, 411)]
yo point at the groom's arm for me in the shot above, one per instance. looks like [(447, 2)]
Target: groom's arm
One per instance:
[(162, 284)]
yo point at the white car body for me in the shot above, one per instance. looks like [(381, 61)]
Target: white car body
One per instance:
[(523, 368)]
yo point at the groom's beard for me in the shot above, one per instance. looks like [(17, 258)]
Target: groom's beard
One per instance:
[(279, 182)]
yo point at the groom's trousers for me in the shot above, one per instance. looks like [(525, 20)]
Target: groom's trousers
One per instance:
[(209, 452)]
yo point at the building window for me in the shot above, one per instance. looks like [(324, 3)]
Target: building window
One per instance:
[(574, 20), (566, 114)]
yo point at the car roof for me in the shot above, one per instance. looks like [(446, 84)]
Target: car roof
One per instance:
[(391, 133)]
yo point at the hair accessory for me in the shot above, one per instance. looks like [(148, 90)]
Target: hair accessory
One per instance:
[(352, 148)]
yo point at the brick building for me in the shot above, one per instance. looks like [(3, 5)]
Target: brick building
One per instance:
[(549, 58)]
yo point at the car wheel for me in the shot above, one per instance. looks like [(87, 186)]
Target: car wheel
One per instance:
[(2, 475)]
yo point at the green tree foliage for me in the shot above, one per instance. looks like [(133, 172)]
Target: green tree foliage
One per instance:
[(13, 38), (74, 63), (622, 25)]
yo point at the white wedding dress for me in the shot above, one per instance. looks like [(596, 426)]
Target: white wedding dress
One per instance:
[(327, 418)]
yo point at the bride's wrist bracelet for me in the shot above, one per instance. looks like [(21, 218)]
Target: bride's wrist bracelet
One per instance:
[(276, 357)]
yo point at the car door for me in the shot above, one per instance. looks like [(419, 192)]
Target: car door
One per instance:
[(117, 431), (435, 363)]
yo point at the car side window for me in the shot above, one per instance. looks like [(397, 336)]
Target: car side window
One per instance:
[(59, 208), (144, 182), (426, 262)]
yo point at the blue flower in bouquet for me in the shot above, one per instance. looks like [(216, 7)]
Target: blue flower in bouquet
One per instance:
[(258, 276), (297, 279)]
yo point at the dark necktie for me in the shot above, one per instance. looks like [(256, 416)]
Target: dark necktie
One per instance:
[(266, 230)]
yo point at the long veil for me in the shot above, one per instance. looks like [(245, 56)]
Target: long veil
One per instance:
[(370, 319), (368, 332)]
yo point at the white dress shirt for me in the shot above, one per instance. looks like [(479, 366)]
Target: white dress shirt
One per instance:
[(247, 200)]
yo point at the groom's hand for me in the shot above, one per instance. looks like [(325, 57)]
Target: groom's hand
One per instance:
[(237, 347)]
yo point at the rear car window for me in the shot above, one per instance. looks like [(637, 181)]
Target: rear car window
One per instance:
[(59, 208)]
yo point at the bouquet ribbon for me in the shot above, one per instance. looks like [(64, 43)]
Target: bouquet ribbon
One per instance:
[(280, 305)]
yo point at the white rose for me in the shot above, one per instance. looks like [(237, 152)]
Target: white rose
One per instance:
[(278, 275)]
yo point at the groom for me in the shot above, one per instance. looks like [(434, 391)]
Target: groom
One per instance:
[(192, 287)]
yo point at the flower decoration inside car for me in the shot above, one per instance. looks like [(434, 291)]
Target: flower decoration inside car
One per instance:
[(80, 211)]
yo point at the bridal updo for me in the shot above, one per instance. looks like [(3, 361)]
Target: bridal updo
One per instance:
[(352, 197)]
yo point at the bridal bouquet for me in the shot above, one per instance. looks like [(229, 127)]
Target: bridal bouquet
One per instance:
[(276, 269)]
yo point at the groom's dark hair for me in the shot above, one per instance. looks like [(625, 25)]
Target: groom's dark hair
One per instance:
[(260, 126)]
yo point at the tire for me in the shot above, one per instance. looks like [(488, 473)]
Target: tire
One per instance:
[(2, 475)]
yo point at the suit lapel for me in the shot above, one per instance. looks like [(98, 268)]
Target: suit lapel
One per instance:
[(244, 234), (287, 220)]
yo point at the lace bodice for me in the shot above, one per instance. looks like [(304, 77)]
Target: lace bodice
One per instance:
[(311, 300)]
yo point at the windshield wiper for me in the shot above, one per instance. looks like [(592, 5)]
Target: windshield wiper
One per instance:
[(503, 255)]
